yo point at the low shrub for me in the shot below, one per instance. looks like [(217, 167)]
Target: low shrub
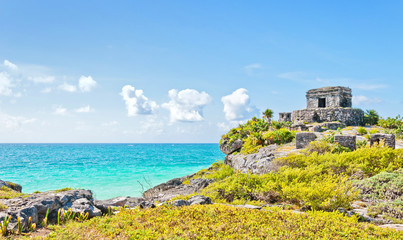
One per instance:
[(391, 210), (221, 222), (315, 181), (279, 136), (383, 186), (362, 130), (362, 143), (7, 193)]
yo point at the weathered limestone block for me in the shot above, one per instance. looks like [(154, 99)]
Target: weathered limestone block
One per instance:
[(227, 147), (348, 141), (302, 139), (388, 138)]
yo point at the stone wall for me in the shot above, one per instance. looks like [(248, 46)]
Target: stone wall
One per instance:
[(348, 141), (302, 139), (388, 138), (347, 116), (284, 117)]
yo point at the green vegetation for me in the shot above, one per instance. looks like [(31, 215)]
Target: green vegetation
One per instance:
[(63, 189), (7, 193), (4, 225), (371, 117), (257, 133), (311, 180), (385, 190), (362, 131), (268, 114), (394, 125), (326, 145), (3, 207), (221, 222)]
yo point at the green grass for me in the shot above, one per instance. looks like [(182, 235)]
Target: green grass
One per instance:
[(221, 222), (7, 193), (63, 189)]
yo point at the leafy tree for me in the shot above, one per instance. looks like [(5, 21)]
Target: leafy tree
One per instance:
[(267, 115), (371, 117)]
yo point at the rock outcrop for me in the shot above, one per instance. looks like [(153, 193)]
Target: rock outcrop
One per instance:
[(175, 187), (10, 185), (257, 163), (36, 205), (228, 147)]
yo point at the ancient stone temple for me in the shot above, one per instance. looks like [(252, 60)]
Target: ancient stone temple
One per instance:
[(329, 104)]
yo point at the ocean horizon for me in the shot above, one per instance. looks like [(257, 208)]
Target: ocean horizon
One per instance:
[(108, 169)]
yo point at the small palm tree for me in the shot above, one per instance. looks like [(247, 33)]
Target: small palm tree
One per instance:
[(371, 117), (267, 115)]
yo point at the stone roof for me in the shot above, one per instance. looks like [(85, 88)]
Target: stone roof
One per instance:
[(329, 89)]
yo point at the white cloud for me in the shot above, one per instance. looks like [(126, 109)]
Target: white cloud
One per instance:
[(136, 102), (237, 105), (68, 87), (46, 90), (46, 79), (5, 84), (359, 100), (10, 65), (251, 68), (86, 84), (187, 105), (370, 86), (13, 122), (84, 109), (60, 111)]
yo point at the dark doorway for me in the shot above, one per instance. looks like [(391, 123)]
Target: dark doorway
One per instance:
[(322, 102)]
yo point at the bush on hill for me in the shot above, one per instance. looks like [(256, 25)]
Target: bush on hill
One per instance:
[(310, 180), (221, 222)]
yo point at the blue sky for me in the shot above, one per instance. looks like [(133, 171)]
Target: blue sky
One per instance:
[(186, 71)]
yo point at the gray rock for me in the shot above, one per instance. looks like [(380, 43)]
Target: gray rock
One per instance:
[(257, 163), (180, 203), (200, 183), (199, 199), (302, 139), (13, 186), (249, 206), (36, 205), (175, 187), (363, 214), (227, 147), (146, 204), (84, 205)]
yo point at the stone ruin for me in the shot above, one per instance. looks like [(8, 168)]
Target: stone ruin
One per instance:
[(302, 139), (284, 117), (389, 139), (329, 104), (348, 141)]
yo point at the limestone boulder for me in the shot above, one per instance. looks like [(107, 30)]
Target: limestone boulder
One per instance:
[(199, 200), (228, 147), (36, 205), (257, 163)]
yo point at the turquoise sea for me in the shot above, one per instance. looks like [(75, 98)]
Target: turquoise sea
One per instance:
[(109, 170)]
